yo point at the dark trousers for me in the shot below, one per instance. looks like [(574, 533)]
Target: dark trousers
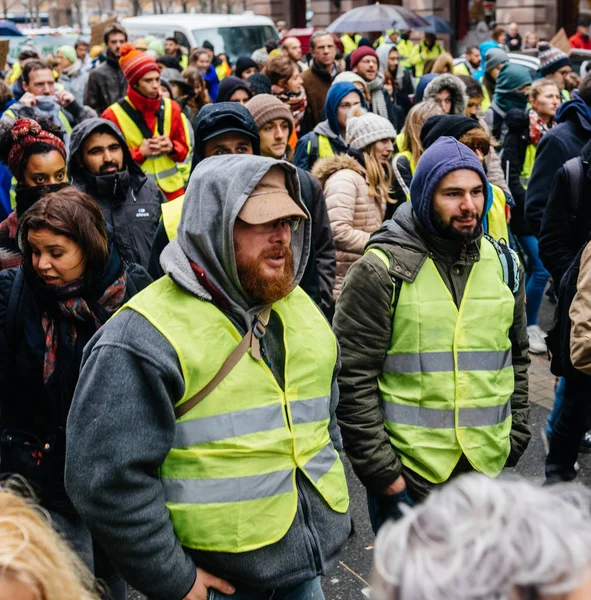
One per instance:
[(572, 422)]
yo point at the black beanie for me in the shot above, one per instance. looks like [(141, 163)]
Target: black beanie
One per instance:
[(228, 86), (243, 63), (454, 126)]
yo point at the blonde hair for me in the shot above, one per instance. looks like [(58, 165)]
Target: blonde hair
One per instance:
[(415, 119), (379, 176), (443, 64), (538, 85), (31, 552)]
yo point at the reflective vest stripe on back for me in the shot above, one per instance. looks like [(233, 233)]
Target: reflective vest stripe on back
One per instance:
[(447, 378), (229, 478), (160, 169)]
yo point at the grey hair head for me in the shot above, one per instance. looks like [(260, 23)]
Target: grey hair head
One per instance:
[(315, 36), (483, 539)]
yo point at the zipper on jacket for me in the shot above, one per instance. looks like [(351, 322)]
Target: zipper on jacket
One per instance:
[(309, 534)]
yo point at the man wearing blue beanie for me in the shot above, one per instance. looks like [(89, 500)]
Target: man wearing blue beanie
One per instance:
[(328, 137), (434, 348)]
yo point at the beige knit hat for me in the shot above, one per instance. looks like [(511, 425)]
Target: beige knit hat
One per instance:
[(265, 108), (351, 78), (365, 128)]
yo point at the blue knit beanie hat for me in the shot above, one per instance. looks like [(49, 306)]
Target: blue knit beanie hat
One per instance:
[(440, 159), (335, 94)]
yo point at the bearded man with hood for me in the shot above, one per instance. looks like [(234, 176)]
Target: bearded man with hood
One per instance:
[(427, 391), (100, 164), (224, 469)]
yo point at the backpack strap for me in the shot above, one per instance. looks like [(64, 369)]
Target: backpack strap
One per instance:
[(14, 316), (314, 151), (137, 117), (396, 281), (509, 263), (574, 172)]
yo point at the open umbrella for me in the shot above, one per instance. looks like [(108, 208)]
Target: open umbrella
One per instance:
[(377, 17), (437, 25)]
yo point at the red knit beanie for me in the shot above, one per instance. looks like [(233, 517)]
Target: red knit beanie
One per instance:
[(362, 52), (135, 64)]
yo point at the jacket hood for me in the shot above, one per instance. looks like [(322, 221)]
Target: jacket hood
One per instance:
[(81, 132), (517, 119), (335, 94), (575, 108), (323, 128), (456, 87), (324, 168), (216, 193)]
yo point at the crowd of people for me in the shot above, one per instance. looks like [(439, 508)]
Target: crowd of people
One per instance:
[(217, 280)]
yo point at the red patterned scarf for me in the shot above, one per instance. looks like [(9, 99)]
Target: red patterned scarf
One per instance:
[(296, 101), (74, 307), (537, 127)]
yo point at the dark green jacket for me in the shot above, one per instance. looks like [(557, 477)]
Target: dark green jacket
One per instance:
[(363, 327)]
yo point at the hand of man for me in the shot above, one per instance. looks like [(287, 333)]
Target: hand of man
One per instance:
[(203, 582), (166, 146), (150, 147), (396, 487), (28, 99), (64, 97)]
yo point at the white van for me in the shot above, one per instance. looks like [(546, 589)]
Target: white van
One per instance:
[(236, 35)]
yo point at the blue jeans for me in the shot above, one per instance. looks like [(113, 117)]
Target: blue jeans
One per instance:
[(558, 400), (537, 278), (73, 530), (382, 508), (309, 590)]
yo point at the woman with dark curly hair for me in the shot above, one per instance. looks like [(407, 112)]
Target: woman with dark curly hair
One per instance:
[(36, 156)]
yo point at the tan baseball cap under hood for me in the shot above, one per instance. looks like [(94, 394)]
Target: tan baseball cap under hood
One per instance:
[(270, 200)]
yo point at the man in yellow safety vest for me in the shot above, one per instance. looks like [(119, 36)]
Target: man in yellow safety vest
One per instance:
[(214, 398), (432, 328), (151, 125)]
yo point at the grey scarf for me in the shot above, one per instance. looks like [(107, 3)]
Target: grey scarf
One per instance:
[(378, 101)]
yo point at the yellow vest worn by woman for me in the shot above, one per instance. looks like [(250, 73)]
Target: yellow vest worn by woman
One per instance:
[(230, 477)]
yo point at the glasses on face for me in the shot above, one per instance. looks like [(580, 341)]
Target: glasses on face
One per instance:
[(292, 222)]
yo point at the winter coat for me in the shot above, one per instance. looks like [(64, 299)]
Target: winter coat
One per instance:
[(33, 411), (75, 80), (317, 82), (353, 214), (303, 159), (580, 316), (106, 84), (565, 230), (566, 140), (363, 326), (514, 148), (129, 201), (456, 87)]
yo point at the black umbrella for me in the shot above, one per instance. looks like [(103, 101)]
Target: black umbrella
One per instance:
[(377, 17), (437, 25)]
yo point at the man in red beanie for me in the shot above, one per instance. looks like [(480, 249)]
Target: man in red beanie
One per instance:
[(366, 64), (152, 126)]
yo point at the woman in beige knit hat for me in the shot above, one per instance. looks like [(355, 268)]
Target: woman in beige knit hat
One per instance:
[(356, 186)]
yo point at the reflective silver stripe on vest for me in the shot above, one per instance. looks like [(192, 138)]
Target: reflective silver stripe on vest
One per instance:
[(162, 174), (310, 411), (228, 489), (228, 425), (431, 418), (322, 463), (435, 362)]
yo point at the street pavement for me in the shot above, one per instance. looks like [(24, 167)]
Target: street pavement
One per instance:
[(351, 578)]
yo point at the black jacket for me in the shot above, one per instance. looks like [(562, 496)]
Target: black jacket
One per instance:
[(565, 141), (34, 413), (106, 84), (566, 225), (129, 201), (514, 148), (318, 278)]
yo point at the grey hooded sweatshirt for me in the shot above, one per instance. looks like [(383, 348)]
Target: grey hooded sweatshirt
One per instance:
[(129, 201), (121, 425)]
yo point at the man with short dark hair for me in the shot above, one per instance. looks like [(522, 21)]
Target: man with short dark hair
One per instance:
[(581, 38), (292, 48), (427, 391), (82, 46), (172, 48), (471, 65), (106, 84), (101, 165), (318, 78), (426, 50)]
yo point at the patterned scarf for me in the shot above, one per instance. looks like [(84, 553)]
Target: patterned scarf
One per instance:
[(296, 101), (378, 101), (537, 127), (75, 308)]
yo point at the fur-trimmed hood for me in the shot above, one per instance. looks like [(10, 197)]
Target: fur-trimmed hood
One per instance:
[(456, 87), (326, 167)]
